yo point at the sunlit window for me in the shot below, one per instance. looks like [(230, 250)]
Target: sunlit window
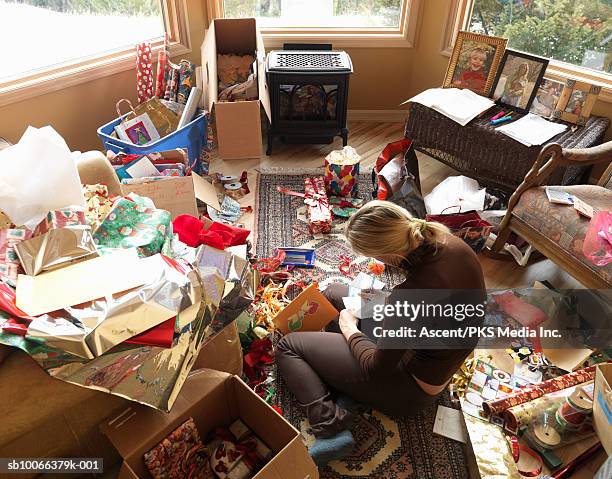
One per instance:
[(573, 31), (318, 13), (47, 33)]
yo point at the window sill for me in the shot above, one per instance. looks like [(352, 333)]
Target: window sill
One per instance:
[(76, 73), (339, 40)]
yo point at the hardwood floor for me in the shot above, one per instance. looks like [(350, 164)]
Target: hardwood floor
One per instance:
[(369, 138)]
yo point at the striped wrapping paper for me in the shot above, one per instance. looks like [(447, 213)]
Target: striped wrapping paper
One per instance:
[(530, 393)]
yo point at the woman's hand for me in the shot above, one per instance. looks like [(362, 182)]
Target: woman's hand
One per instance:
[(348, 323)]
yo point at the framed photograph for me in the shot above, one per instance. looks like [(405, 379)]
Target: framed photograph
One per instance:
[(576, 102), (518, 79), (474, 62), (547, 97)]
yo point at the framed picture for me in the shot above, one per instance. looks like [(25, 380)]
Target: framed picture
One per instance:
[(547, 97), (576, 102), (518, 79), (474, 62)]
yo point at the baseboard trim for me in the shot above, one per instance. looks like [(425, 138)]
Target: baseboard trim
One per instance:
[(395, 116)]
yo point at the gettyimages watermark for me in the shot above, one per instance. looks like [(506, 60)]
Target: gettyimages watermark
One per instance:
[(465, 319)]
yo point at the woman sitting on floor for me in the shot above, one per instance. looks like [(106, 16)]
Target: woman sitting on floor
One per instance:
[(395, 381)]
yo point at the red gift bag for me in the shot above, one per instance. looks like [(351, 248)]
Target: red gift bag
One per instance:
[(468, 226)]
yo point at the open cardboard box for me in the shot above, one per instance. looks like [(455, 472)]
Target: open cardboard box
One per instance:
[(238, 123), (602, 405), (211, 398)]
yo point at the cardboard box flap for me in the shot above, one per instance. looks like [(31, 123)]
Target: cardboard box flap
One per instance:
[(236, 35), (264, 94), (602, 405), (138, 428), (210, 82)]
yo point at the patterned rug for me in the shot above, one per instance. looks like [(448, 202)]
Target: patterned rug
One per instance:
[(387, 447)]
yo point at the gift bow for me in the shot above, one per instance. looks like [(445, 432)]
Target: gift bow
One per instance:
[(311, 199), (246, 446)]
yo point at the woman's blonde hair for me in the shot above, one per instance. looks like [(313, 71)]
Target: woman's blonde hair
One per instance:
[(384, 228)]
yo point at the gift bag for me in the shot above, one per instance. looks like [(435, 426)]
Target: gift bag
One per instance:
[(597, 246), (341, 172), (395, 177), (468, 226)]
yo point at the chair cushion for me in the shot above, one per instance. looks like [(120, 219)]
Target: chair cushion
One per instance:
[(562, 224)]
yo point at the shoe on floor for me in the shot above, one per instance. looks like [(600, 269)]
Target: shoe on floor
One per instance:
[(332, 448)]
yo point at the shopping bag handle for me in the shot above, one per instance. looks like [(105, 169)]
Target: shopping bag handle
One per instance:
[(453, 206)]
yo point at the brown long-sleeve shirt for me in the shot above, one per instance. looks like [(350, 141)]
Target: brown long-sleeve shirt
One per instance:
[(452, 266)]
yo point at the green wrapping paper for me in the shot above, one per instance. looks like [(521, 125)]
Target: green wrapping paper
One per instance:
[(134, 224)]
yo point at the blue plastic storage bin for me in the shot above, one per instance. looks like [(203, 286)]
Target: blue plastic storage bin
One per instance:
[(193, 136)]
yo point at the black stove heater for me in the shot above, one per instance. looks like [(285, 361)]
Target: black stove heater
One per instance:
[(308, 95)]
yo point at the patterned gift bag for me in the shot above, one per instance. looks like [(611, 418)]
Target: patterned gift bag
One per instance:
[(341, 172), (133, 224)]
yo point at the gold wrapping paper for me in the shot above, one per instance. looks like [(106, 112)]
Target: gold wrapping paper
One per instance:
[(493, 456), (55, 249)]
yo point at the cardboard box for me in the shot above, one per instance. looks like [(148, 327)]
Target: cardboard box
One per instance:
[(177, 194), (221, 352), (602, 405), (238, 123), (212, 398)]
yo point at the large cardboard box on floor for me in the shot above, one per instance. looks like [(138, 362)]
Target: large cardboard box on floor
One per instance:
[(238, 123), (602, 405), (211, 398)]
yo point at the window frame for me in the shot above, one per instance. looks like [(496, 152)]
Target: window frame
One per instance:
[(401, 37), (459, 14), (29, 85)]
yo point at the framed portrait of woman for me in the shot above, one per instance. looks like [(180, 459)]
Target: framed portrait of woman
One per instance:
[(518, 79), (474, 62), (576, 102)]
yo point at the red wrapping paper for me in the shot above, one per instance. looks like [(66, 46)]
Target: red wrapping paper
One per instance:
[(161, 335), (144, 72), (538, 390), (10, 266), (319, 210)]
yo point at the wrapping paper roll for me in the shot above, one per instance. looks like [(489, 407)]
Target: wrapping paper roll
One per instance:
[(538, 390), (144, 72)]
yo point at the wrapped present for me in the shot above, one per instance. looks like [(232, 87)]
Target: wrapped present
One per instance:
[(133, 223), (238, 452), (98, 204), (342, 171), (10, 266), (180, 455), (70, 216), (319, 211)]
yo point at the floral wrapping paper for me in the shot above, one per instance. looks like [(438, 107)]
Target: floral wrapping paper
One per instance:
[(131, 224), (180, 455), (10, 266), (538, 390), (319, 210), (98, 204), (144, 72), (63, 218)]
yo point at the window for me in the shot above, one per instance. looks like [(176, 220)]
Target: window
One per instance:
[(318, 13), (578, 32), (47, 33), (345, 23), (53, 44)]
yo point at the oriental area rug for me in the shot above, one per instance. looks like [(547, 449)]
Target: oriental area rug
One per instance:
[(387, 447)]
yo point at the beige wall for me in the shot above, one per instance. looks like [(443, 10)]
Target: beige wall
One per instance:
[(383, 78)]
